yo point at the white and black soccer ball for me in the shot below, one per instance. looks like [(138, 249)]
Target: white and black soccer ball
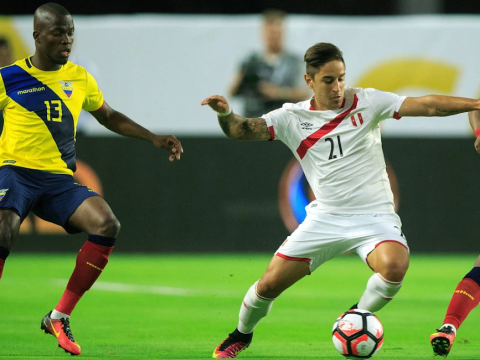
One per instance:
[(357, 334)]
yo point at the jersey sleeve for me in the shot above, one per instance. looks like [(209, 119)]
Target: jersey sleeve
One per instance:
[(3, 94), (385, 104), (94, 97), (277, 122)]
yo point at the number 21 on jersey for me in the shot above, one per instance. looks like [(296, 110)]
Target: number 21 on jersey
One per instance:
[(54, 110), (332, 148)]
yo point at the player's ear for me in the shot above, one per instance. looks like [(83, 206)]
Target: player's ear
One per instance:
[(36, 36), (308, 80)]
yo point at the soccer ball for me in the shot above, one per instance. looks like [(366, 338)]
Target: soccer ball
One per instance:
[(357, 334)]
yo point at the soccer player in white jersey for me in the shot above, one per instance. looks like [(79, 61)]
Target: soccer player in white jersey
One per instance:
[(335, 136)]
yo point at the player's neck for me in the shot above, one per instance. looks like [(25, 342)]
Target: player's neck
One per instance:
[(44, 64)]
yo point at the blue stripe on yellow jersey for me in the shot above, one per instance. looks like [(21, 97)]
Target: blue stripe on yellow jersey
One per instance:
[(40, 110)]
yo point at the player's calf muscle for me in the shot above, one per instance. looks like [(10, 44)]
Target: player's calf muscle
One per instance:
[(9, 228)]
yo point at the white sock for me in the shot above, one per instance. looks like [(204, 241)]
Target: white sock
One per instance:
[(378, 293), (453, 327), (58, 315), (253, 309)]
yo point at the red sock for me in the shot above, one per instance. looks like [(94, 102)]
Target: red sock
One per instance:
[(464, 299), (2, 264), (91, 260)]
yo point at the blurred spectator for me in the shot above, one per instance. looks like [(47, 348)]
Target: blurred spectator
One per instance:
[(6, 58), (269, 79)]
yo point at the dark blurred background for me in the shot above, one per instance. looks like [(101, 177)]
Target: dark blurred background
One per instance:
[(337, 7)]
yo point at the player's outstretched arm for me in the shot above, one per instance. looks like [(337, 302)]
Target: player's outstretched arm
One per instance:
[(123, 125), (235, 126), (437, 105)]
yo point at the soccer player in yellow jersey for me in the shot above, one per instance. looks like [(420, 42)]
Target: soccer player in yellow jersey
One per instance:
[(41, 98)]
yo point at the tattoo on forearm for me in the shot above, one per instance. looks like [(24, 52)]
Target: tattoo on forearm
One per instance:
[(445, 112), (241, 128)]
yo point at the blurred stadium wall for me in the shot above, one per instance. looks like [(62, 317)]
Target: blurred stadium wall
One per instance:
[(224, 195)]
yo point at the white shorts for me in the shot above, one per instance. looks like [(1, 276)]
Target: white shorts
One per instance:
[(321, 237)]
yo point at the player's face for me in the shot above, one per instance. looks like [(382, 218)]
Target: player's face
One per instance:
[(54, 40), (328, 85)]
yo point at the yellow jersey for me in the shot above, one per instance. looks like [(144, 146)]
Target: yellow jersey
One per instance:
[(40, 110)]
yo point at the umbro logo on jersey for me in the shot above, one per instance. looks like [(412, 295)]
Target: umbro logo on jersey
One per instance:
[(306, 126), (32, 90), (67, 87)]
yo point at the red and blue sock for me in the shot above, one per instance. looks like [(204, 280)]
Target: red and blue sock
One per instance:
[(465, 298), (91, 260)]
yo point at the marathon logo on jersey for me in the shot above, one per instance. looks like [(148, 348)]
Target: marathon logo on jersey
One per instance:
[(306, 126), (2, 193), (67, 87), (32, 90)]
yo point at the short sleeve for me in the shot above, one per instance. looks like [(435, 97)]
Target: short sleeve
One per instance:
[(94, 97), (385, 104), (3, 95), (277, 122)]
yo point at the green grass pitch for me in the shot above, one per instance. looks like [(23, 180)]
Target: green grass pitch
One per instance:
[(183, 306)]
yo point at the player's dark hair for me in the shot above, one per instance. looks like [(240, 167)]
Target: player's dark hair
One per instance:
[(320, 54)]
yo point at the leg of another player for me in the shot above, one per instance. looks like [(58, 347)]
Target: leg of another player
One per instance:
[(389, 261), (94, 217), (465, 298), (279, 276), (9, 229)]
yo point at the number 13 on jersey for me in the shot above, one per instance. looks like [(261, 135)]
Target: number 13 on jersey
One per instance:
[(54, 108)]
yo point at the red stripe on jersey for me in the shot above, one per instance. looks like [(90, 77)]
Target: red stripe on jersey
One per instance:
[(272, 133), (286, 257), (360, 118), (324, 130), (353, 120), (395, 116)]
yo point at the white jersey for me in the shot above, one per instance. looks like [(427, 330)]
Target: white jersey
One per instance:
[(340, 151)]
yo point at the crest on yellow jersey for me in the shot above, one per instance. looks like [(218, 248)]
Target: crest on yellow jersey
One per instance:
[(67, 87)]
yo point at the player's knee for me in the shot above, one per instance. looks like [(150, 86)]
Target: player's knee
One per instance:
[(109, 226), (269, 287), (395, 270)]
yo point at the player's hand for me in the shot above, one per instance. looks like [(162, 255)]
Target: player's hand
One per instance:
[(217, 103), (477, 145), (169, 143)]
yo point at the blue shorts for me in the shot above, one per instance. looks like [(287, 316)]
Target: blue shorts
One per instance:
[(52, 197)]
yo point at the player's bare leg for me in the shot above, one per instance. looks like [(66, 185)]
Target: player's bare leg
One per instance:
[(94, 217), (9, 229), (389, 261), (465, 298), (279, 276)]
